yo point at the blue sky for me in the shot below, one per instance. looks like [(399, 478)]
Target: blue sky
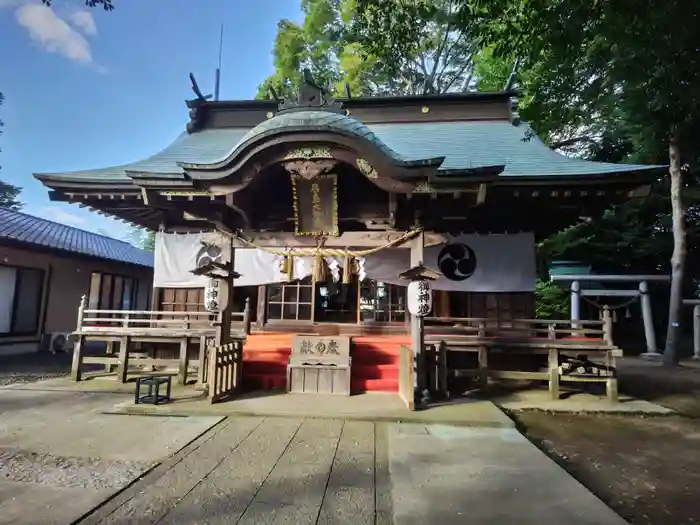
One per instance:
[(85, 88)]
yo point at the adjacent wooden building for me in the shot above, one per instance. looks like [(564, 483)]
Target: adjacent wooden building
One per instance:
[(45, 268)]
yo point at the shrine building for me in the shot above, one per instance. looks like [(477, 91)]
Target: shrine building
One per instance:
[(319, 204)]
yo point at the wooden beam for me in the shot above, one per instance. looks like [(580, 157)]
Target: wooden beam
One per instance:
[(347, 239)]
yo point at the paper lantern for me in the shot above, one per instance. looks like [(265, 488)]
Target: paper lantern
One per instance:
[(215, 295), (419, 298)]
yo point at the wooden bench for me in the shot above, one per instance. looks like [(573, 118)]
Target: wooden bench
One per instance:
[(319, 365)]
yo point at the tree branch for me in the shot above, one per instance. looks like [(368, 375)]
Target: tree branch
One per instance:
[(572, 141)]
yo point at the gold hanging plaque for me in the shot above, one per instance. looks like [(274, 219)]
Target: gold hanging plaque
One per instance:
[(315, 204)]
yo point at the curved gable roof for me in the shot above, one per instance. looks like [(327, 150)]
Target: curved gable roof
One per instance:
[(464, 144)]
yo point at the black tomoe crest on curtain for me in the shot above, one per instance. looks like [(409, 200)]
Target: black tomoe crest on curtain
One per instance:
[(457, 262), (208, 253)]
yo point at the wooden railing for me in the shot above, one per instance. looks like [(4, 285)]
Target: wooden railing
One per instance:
[(406, 377), (225, 370), (563, 342), (484, 328), (144, 326), (155, 322)]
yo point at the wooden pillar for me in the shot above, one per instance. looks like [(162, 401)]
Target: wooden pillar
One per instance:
[(202, 371), (246, 316), (421, 394), (611, 381), (441, 303), (123, 366), (184, 362), (696, 332), (262, 303), (79, 339), (553, 363), (223, 330)]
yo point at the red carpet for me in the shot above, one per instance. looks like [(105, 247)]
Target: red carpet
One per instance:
[(374, 364)]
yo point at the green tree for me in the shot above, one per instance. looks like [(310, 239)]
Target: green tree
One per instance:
[(332, 45), (9, 196), (618, 63), (551, 301), (144, 239)]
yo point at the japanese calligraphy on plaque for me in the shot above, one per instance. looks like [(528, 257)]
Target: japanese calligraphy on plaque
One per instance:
[(419, 298), (319, 349), (315, 205)]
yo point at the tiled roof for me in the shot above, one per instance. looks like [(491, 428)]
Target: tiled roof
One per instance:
[(464, 144), (326, 120), (28, 229)]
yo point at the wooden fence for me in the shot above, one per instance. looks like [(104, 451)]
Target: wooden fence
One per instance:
[(225, 370), (145, 326), (566, 345), (527, 329)]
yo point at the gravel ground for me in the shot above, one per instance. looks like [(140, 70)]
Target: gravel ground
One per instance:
[(35, 366), (70, 472)]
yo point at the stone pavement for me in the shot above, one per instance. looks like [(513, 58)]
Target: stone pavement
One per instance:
[(484, 476), (275, 470), (256, 471), (60, 456)]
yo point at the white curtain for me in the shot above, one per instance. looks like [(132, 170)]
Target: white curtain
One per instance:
[(176, 255), (469, 263)]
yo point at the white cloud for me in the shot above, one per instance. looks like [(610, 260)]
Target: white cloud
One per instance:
[(57, 214), (63, 33), (53, 33), (83, 20)]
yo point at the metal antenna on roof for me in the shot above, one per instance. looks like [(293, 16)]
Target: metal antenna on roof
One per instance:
[(217, 79)]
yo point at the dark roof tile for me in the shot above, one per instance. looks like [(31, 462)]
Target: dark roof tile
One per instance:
[(464, 144), (20, 227)]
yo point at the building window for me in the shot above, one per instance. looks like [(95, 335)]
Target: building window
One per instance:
[(21, 290), (112, 292), (382, 302), (290, 301)]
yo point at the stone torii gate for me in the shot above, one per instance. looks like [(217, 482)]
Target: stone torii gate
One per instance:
[(642, 291), (695, 303)]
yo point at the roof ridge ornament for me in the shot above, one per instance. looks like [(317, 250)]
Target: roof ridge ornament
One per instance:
[(311, 96)]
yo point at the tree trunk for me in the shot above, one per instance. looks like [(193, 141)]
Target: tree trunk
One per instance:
[(671, 352)]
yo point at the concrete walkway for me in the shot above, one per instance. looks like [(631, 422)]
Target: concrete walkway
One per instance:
[(254, 471), (60, 456), (484, 476)]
